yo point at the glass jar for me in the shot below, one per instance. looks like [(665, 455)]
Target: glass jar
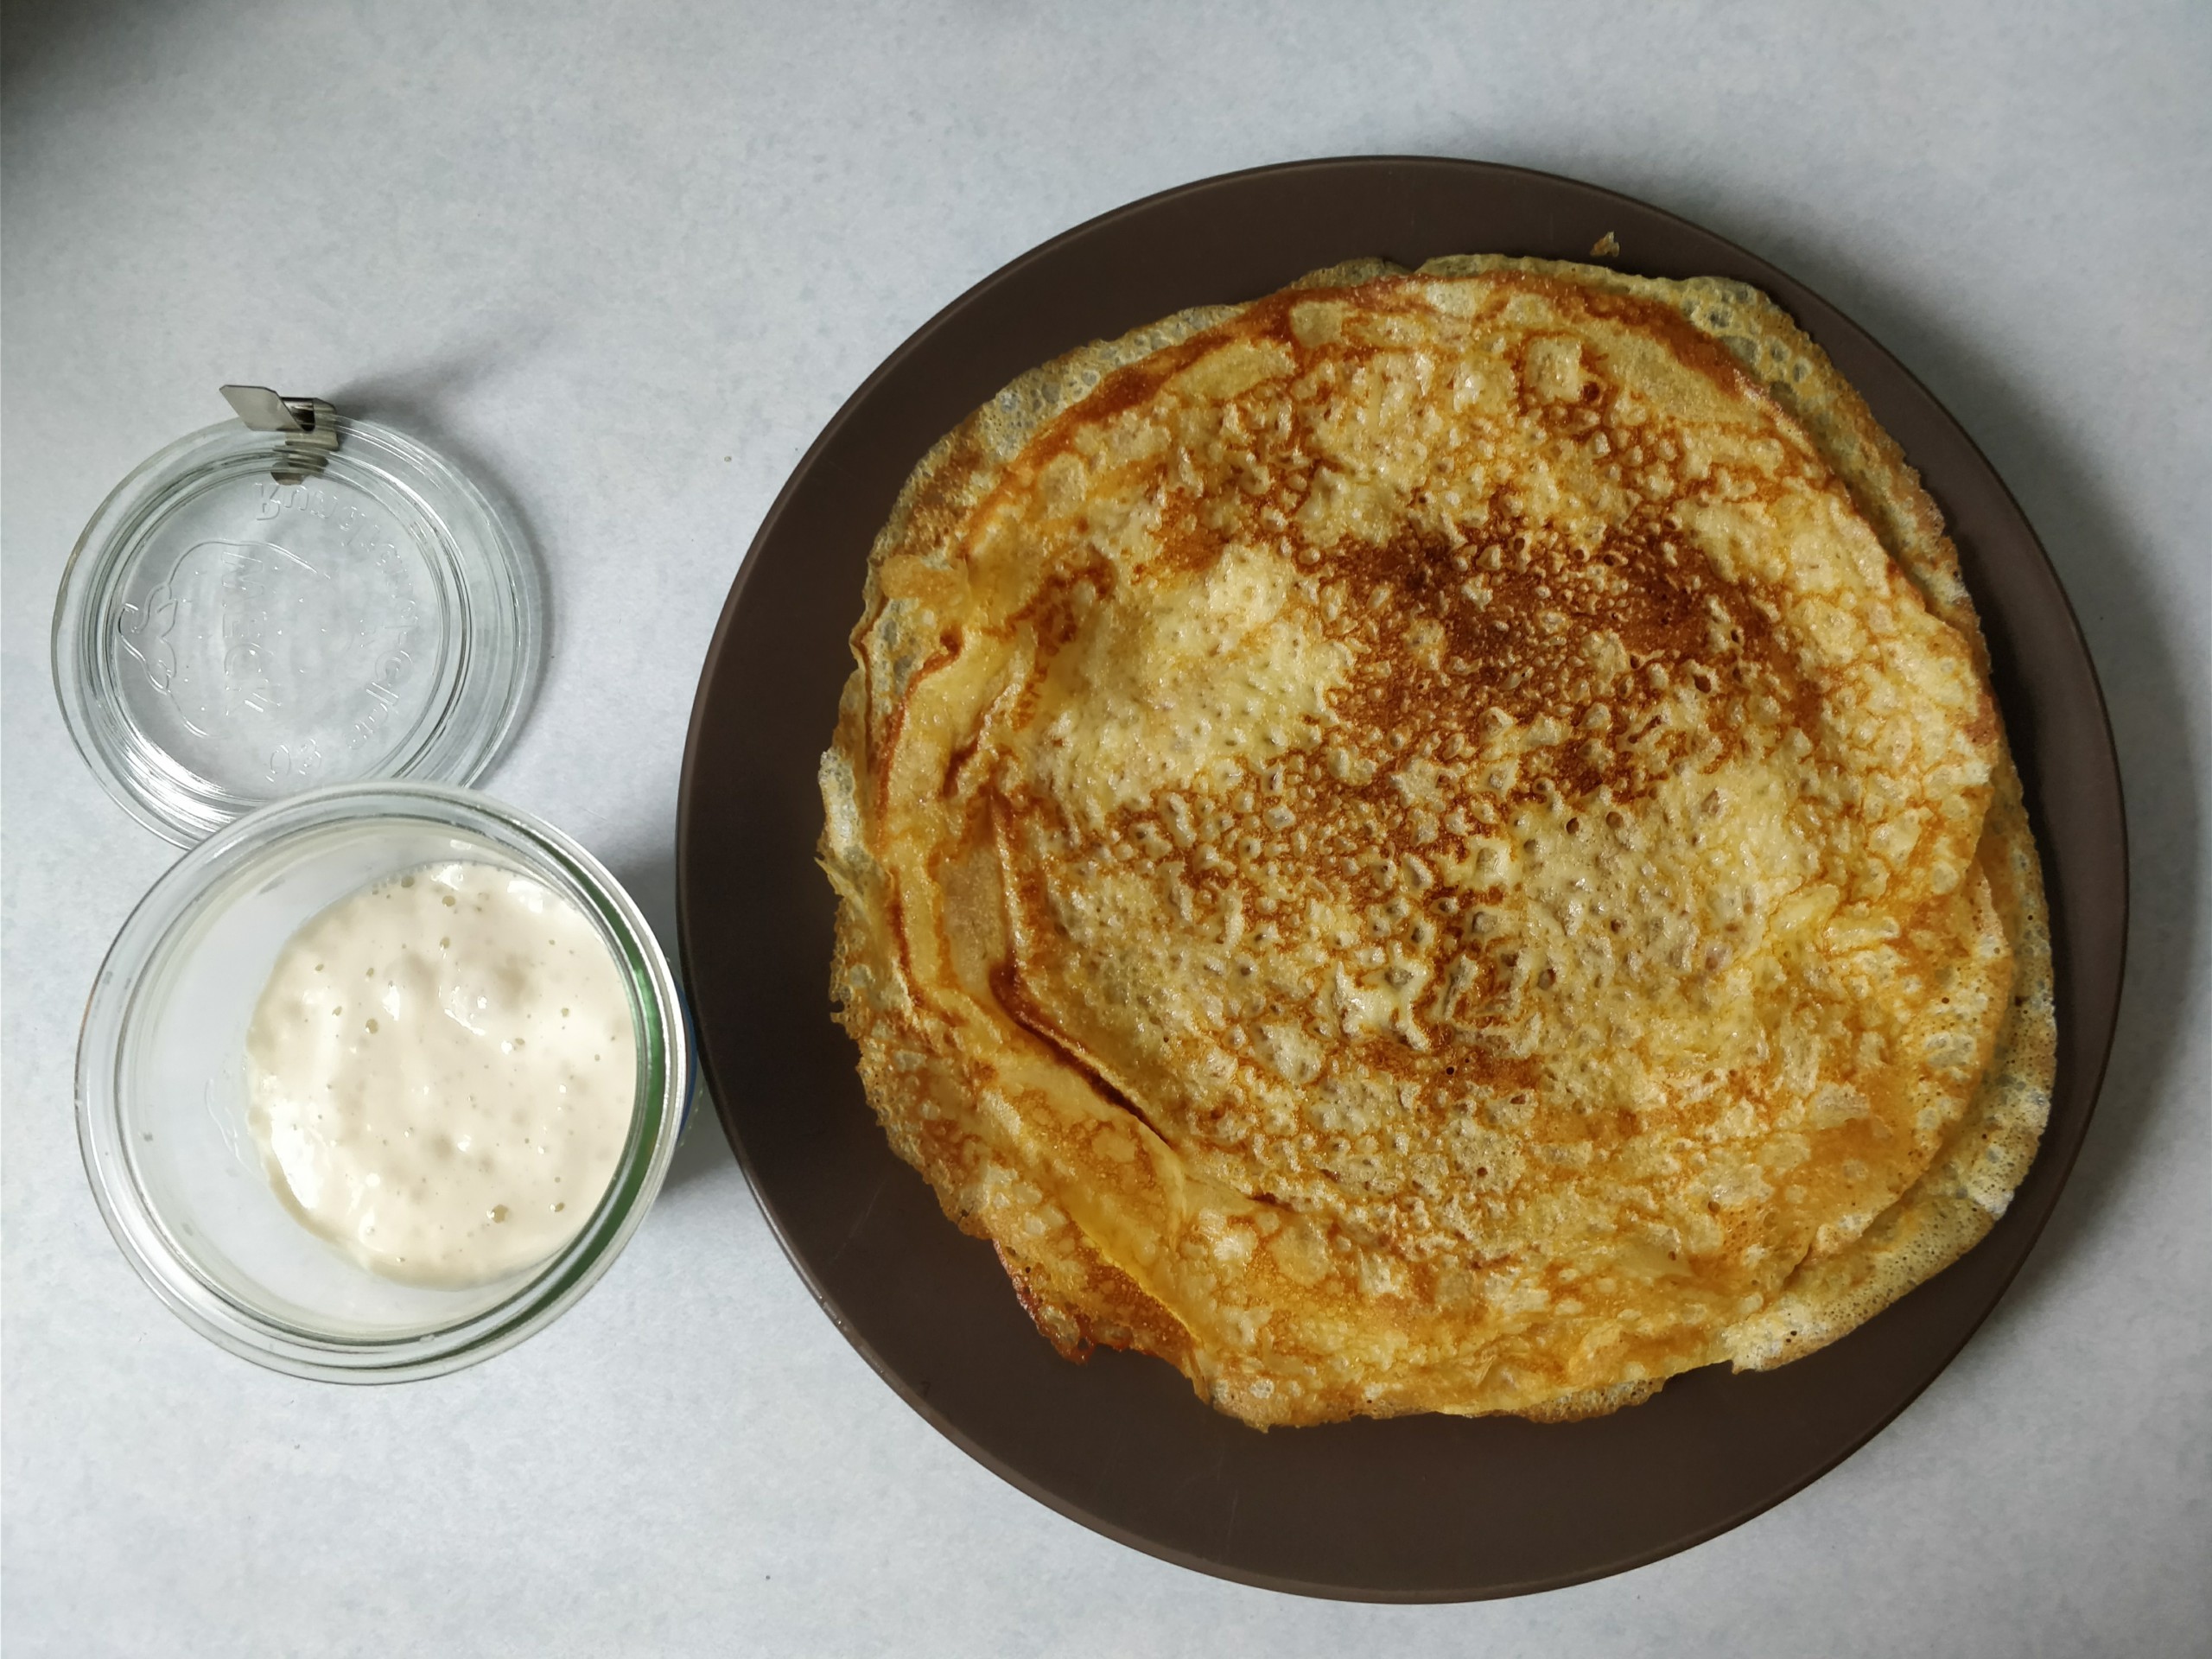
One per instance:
[(162, 1089)]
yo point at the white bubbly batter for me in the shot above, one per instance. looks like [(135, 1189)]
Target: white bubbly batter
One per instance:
[(442, 1073)]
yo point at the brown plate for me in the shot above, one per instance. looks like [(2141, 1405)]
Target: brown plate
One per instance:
[(1416, 1508)]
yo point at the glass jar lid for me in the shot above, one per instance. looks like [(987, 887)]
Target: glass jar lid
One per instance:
[(286, 600)]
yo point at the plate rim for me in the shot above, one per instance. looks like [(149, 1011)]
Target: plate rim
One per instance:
[(2094, 1063)]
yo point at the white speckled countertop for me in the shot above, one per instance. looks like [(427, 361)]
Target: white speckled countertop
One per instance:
[(594, 251)]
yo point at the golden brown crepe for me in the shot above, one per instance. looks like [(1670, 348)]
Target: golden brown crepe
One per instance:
[(1438, 842)]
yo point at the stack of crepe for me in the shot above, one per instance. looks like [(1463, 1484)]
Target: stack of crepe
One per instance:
[(1439, 841)]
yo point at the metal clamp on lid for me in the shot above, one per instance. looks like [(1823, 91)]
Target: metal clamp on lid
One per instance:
[(309, 425)]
